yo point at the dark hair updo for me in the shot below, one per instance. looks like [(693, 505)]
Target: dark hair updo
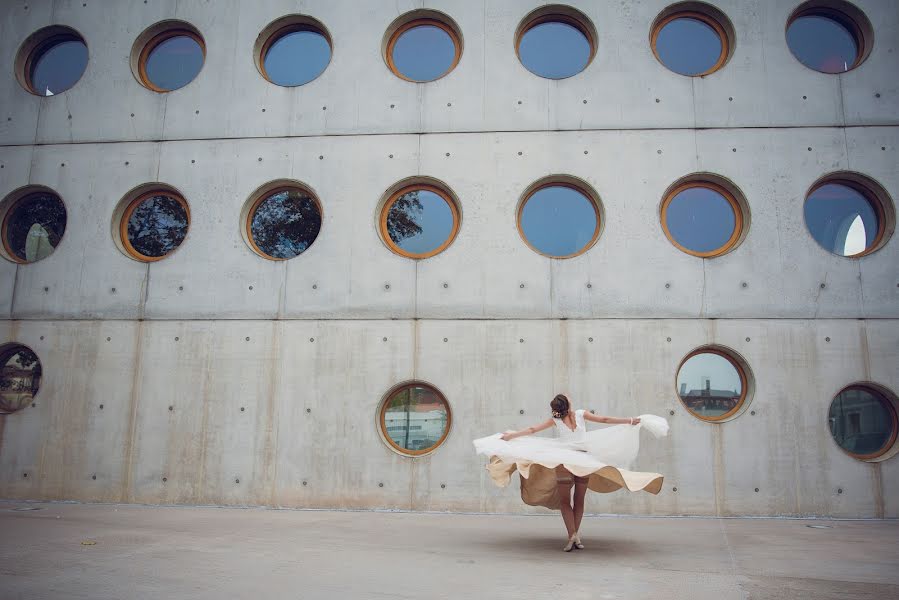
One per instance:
[(560, 406)]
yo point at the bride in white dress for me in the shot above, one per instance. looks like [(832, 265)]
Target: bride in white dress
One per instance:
[(595, 460)]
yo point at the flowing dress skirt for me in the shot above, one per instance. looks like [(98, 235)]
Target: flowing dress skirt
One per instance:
[(603, 458)]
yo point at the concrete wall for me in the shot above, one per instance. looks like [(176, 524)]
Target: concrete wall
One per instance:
[(104, 325)]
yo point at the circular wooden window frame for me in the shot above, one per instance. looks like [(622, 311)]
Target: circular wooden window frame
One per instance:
[(7, 349), (37, 45), (744, 383), (891, 410), (303, 24), (382, 424), (573, 186), (863, 44), (267, 193), (126, 216), (735, 237), (26, 194), (696, 16), (428, 187), (873, 200), (177, 31), (423, 22), (552, 16)]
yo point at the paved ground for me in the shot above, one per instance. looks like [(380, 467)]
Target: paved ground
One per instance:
[(218, 553)]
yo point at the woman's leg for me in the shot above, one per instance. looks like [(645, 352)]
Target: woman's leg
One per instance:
[(580, 491), (564, 490)]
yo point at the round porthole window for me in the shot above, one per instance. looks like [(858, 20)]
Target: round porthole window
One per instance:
[(863, 422), (692, 39), (559, 217), (414, 419), (293, 50), (704, 216), (51, 60), (556, 42), (168, 56), (20, 377), (713, 383), (151, 222), (829, 36), (33, 224), (849, 214), (422, 46), (420, 219), (282, 220)]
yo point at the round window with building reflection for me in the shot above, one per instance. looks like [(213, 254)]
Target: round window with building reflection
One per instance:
[(863, 422), (154, 225), (415, 419), (33, 226), (690, 43), (172, 59), (52, 60), (559, 220), (284, 223), (711, 384), (419, 221), (828, 37), (423, 50), (844, 217), (556, 45), (702, 218), (20, 377), (297, 52)]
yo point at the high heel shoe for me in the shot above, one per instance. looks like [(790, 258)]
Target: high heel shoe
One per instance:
[(570, 545), (577, 542)]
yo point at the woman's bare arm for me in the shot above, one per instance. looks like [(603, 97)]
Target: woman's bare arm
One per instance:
[(511, 435), (611, 420)]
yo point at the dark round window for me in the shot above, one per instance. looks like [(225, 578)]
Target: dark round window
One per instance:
[(556, 46), (172, 59), (415, 419), (702, 219), (559, 220), (844, 217), (711, 384), (423, 50), (419, 221), (295, 54), (863, 422), (20, 377), (55, 59), (154, 225), (33, 226), (284, 222), (690, 43), (829, 37)]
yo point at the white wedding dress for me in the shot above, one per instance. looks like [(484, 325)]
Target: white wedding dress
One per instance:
[(603, 456)]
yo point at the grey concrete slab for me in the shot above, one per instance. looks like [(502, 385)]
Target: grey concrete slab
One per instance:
[(152, 552)]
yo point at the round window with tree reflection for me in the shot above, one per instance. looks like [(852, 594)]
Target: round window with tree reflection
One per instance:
[(172, 59), (690, 43), (702, 218), (423, 50), (828, 39), (556, 46), (20, 377), (33, 226), (296, 53), (559, 220), (863, 422), (419, 221), (844, 217), (284, 223), (711, 384), (415, 419), (52, 60), (154, 225)]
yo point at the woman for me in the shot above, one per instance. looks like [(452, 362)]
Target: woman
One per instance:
[(550, 467)]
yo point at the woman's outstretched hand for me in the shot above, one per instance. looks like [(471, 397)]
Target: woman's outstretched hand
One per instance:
[(506, 436), (635, 420)]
